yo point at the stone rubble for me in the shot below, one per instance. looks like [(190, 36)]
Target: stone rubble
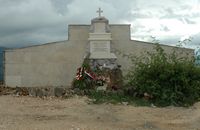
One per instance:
[(36, 91)]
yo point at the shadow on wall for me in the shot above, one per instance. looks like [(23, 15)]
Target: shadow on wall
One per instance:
[(1, 63)]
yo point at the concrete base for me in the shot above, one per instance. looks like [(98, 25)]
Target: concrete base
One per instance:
[(41, 92)]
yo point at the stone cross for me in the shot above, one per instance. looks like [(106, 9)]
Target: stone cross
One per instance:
[(99, 11)]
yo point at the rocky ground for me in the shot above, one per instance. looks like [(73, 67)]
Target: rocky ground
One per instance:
[(76, 113)]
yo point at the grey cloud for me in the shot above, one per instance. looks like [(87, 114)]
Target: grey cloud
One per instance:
[(169, 12), (27, 22), (137, 28), (169, 40), (61, 5), (138, 14), (195, 40), (22, 23), (185, 7), (11, 2), (173, 40), (150, 30), (188, 21), (33, 37), (164, 28)]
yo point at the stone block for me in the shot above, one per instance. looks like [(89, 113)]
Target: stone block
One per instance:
[(39, 92), (59, 92), (32, 92)]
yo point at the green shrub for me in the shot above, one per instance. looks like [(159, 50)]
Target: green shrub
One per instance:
[(166, 79), (85, 82), (115, 97)]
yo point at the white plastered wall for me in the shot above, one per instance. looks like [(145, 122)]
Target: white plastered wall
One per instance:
[(55, 64)]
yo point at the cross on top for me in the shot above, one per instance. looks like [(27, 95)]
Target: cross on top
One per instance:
[(99, 11)]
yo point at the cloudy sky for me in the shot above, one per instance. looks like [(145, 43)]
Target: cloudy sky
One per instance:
[(31, 22)]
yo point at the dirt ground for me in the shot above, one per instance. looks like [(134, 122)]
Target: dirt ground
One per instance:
[(29, 113)]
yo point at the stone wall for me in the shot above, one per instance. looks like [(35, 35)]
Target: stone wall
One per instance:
[(45, 65), (55, 64), (122, 42)]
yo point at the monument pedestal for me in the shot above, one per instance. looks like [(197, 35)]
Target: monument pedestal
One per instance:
[(99, 41)]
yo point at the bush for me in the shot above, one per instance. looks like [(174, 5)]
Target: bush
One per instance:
[(85, 82), (115, 97), (165, 79)]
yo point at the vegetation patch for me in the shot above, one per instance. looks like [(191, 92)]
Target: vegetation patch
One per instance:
[(156, 78), (116, 97), (165, 79)]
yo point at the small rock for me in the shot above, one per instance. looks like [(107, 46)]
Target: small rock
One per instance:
[(59, 92), (68, 94), (149, 125), (101, 88), (152, 105), (39, 93), (32, 92), (125, 103)]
